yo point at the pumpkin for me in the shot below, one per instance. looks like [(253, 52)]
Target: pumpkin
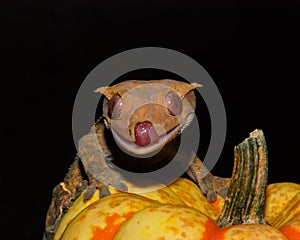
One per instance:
[(173, 212), (102, 217), (291, 229), (288, 220), (249, 231), (279, 196), (167, 222), (181, 211)]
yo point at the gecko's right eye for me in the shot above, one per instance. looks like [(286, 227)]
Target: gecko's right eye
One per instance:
[(115, 106)]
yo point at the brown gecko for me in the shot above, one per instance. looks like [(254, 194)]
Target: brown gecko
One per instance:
[(139, 117)]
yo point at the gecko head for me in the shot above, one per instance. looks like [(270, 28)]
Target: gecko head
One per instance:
[(146, 115)]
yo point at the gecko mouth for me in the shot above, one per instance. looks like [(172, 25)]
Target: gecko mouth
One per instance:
[(142, 147)]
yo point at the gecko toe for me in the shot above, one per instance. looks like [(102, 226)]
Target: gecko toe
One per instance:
[(121, 186), (104, 191), (211, 196), (89, 193), (223, 192), (213, 185)]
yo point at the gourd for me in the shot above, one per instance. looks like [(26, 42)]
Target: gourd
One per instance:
[(251, 210), (101, 218)]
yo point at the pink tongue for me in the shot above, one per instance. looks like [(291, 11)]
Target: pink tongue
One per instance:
[(145, 134)]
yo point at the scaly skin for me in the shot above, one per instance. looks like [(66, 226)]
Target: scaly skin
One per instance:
[(142, 101)]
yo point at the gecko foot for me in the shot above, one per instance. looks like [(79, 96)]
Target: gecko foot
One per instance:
[(90, 191), (213, 185)]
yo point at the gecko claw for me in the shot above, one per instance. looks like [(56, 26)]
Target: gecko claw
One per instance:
[(91, 189), (223, 192), (213, 185), (211, 196), (89, 193), (121, 186), (104, 191)]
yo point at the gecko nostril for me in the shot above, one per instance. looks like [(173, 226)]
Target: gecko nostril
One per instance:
[(145, 134)]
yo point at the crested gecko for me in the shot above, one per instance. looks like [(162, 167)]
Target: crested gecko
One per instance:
[(139, 118)]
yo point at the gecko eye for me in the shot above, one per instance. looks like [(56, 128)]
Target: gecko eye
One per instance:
[(173, 103), (115, 106)]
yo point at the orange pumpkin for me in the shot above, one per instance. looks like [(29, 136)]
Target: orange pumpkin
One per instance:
[(167, 222), (249, 231), (282, 209), (181, 211), (291, 229), (278, 196), (101, 218)]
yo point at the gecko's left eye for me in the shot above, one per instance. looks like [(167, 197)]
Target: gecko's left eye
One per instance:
[(173, 103), (115, 106)]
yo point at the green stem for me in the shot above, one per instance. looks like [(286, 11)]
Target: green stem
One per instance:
[(244, 203)]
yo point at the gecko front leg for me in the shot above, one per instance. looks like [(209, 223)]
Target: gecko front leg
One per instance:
[(96, 158), (89, 171)]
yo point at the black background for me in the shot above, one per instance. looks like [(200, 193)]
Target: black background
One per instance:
[(251, 50)]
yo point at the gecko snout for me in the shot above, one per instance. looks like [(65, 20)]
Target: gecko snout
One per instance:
[(145, 134)]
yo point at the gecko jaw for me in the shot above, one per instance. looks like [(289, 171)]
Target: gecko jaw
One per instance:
[(152, 148), (133, 148)]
